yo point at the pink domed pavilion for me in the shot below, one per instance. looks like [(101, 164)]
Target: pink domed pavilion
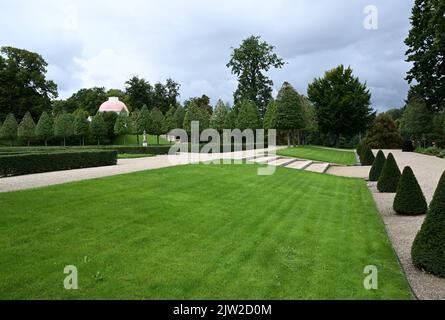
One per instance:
[(113, 105)]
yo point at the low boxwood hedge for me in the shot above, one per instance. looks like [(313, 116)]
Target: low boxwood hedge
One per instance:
[(37, 162)]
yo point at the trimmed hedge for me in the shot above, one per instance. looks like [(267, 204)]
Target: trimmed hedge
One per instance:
[(151, 149), (409, 199), (367, 158), (428, 250), (27, 163), (377, 166), (390, 176)]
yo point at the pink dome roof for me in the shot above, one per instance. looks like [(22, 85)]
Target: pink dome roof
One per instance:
[(113, 105)]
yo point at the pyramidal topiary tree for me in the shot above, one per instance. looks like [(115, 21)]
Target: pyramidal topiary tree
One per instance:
[(390, 176), (428, 250), (409, 199), (367, 158), (8, 130), (44, 128), (377, 166), (26, 128)]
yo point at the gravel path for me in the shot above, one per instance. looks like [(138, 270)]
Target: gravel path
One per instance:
[(402, 229)]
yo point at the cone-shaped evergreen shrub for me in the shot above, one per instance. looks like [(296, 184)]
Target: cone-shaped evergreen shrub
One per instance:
[(409, 199), (368, 157), (390, 176), (428, 251), (377, 166)]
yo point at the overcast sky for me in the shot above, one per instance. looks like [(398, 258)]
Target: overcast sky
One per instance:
[(103, 43)]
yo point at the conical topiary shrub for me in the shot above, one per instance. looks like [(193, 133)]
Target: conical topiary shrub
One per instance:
[(409, 199), (368, 157), (390, 176), (428, 251), (377, 166)]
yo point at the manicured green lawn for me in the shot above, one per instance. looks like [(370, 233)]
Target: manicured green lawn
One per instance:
[(321, 154), (133, 156), (198, 232), (132, 140)]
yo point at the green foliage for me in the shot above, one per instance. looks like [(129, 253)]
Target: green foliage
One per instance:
[(145, 121), (390, 176), (426, 47), (342, 102), (248, 116), (179, 117), (383, 134), (26, 128), (377, 166), (367, 158), (86, 99), (157, 123), (248, 63), (409, 199), (64, 127), (8, 130), (140, 92), (44, 128), (27, 163), (416, 120), (122, 125), (359, 151), (110, 119), (428, 248), (81, 125), (196, 113), (98, 128), (23, 84), (270, 118), (170, 122), (289, 109), (220, 117)]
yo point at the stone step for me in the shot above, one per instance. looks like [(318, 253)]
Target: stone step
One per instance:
[(266, 159), (282, 162), (318, 167), (299, 164)]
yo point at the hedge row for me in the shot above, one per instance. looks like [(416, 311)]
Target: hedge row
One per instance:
[(27, 163), (151, 149)]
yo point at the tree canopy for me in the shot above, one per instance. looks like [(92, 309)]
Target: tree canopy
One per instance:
[(383, 134), (44, 128), (26, 128), (23, 83), (342, 103), (248, 116), (416, 120), (249, 63), (426, 50)]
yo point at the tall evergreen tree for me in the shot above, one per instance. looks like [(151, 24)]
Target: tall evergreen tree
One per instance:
[(270, 118), (26, 128), (44, 128), (290, 117), (122, 125), (170, 122), (383, 134), (145, 122), (179, 117), (248, 116), (64, 127), (196, 113), (157, 123), (249, 62), (426, 51), (98, 128), (219, 119), (8, 130), (81, 125)]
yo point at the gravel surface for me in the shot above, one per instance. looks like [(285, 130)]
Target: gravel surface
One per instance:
[(402, 229)]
